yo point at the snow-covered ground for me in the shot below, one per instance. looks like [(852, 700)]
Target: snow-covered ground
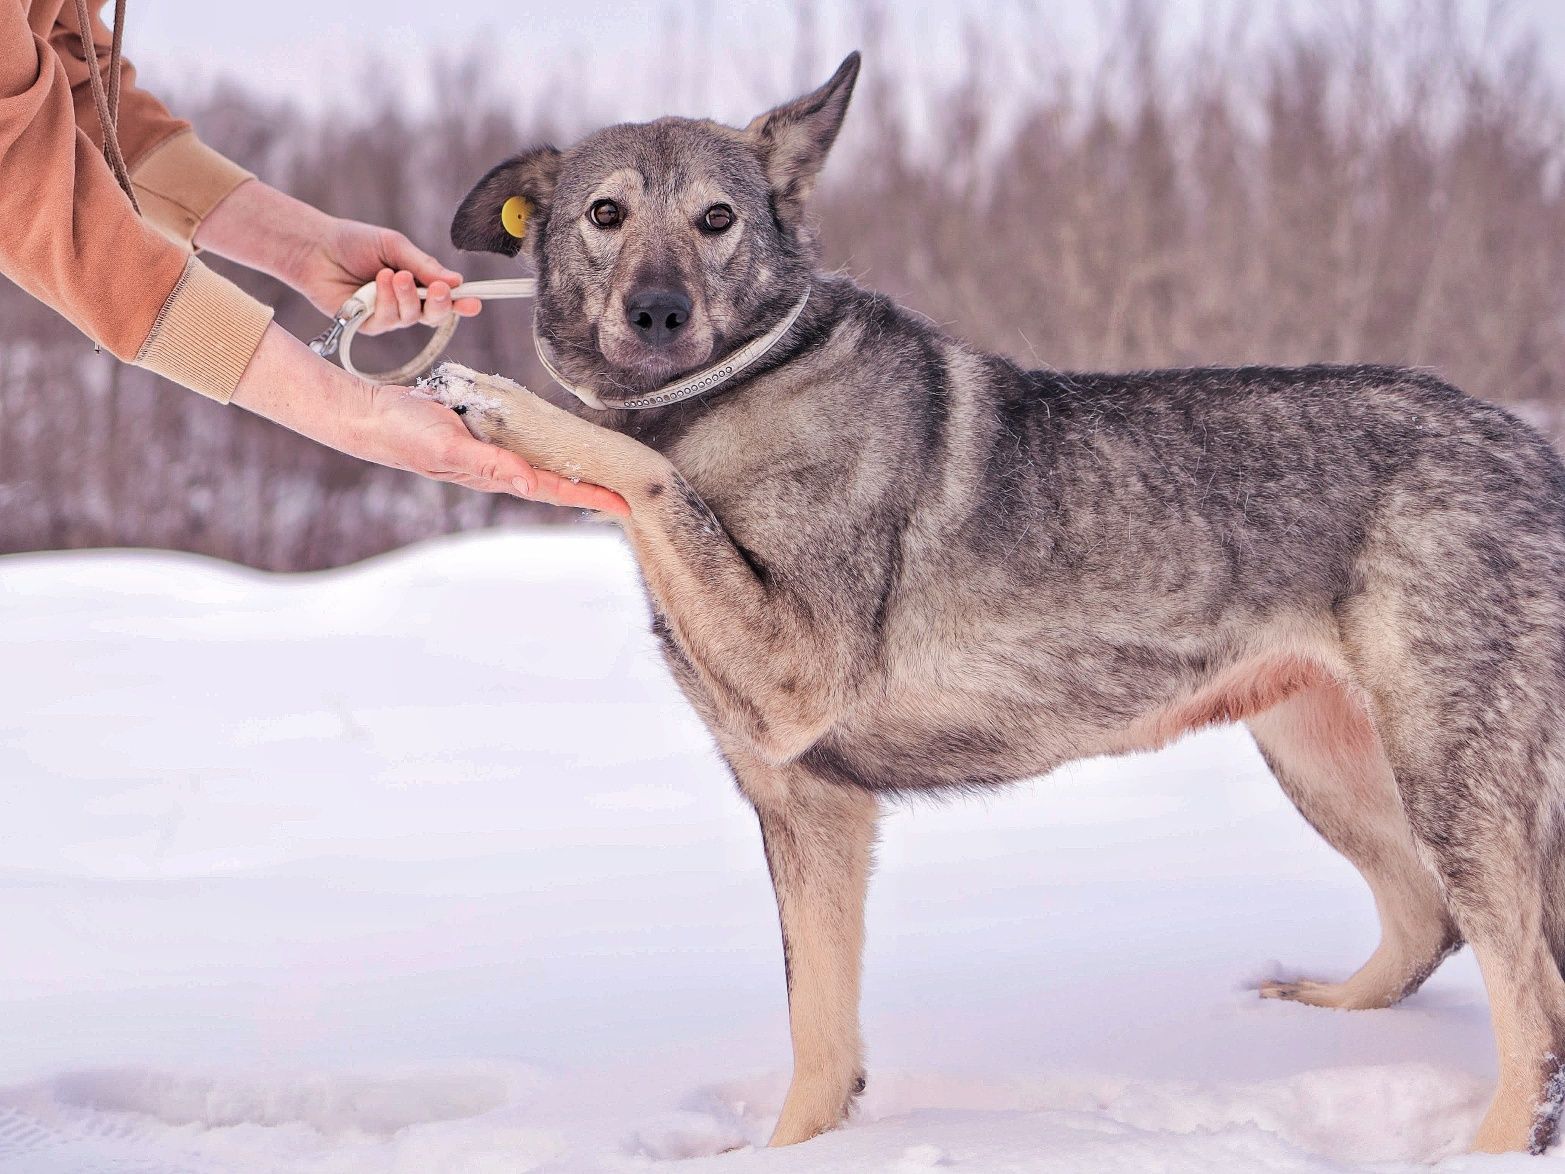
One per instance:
[(424, 866)]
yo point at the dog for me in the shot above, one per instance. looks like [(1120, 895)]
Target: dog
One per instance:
[(882, 562)]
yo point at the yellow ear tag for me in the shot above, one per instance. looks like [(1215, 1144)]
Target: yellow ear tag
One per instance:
[(513, 216)]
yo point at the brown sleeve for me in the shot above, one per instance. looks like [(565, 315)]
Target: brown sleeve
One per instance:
[(70, 237), (178, 178)]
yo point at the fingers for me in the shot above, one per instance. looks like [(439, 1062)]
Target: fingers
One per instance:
[(402, 254), (556, 490), (438, 304), (403, 269), (397, 303), (549, 489), (406, 289), (385, 315), (493, 469)]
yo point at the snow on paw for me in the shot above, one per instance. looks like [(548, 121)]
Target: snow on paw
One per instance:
[(486, 403)]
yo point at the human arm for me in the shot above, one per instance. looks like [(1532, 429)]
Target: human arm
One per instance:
[(197, 198), (327, 258), (70, 237)]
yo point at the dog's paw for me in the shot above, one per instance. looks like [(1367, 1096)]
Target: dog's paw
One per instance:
[(486, 403), (1339, 996)]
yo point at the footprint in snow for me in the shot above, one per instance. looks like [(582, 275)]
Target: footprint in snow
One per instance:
[(718, 1119), (38, 1136)]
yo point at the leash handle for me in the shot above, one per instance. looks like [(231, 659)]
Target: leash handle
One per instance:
[(338, 337)]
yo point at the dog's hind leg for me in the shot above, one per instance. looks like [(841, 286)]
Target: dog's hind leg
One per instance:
[(1327, 757), (1476, 767), (818, 839), (1496, 889), (1465, 812), (1460, 647)]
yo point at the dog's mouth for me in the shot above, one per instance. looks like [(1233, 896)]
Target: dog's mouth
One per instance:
[(646, 370), (607, 372)]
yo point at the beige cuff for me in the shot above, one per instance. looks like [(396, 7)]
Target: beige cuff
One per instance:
[(179, 181), (206, 333)]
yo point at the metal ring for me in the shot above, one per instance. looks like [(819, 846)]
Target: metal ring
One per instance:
[(408, 371)]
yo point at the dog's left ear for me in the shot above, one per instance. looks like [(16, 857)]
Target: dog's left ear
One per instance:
[(505, 206), (794, 138)]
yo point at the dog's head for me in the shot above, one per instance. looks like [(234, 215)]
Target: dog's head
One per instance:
[(661, 246)]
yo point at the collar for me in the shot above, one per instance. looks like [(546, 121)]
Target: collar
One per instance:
[(709, 377)]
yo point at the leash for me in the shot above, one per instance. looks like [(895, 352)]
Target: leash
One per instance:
[(338, 339)]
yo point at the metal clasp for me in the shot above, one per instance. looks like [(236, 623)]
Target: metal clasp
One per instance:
[(325, 343)]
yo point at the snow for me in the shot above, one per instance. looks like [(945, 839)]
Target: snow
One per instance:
[(424, 865)]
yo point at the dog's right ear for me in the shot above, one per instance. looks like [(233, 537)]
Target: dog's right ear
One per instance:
[(487, 221)]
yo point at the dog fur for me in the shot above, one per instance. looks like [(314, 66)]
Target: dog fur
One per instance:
[(882, 562)]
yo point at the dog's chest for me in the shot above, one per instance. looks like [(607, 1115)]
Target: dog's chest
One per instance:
[(772, 474)]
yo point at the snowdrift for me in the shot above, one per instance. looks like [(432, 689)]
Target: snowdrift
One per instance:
[(425, 865)]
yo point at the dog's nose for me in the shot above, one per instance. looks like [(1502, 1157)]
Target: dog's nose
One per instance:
[(657, 314)]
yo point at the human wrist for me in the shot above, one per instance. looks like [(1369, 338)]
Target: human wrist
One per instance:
[(290, 384), (266, 230)]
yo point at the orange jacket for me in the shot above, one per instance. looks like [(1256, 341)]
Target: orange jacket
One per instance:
[(70, 237)]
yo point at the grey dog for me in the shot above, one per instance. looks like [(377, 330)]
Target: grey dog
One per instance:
[(881, 561)]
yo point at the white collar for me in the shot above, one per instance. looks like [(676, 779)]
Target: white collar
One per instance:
[(705, 379)]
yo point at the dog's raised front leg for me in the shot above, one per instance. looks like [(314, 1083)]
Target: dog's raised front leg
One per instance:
[(763, 657), (818, 838)]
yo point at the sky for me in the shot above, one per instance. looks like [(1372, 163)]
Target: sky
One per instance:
[(729, 53)]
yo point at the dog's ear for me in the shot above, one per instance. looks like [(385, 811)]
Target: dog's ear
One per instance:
[(794, 138), (485, 223)]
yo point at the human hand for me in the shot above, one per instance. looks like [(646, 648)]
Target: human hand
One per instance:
[(394, 426), (406, 430), (348, 254), (327, 259)]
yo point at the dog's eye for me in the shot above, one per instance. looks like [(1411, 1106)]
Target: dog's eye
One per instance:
[(718, 218), (604, 213)]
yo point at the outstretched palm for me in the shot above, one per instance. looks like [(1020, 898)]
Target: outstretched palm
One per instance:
[(408, 431)]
